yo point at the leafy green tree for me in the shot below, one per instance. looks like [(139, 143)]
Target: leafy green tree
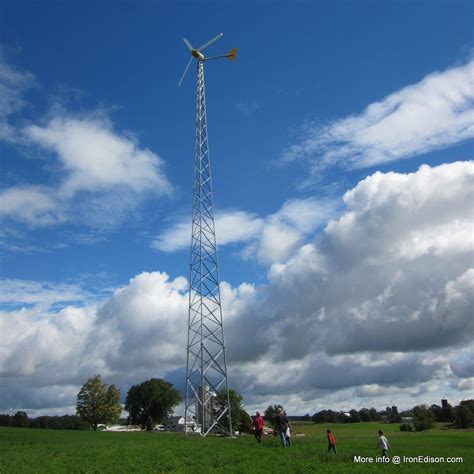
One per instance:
[(424, 418), (98, 402), (241, 420), (5, 420), (374, 415), (364, 414), (354, 416), (154, 399), (270, 413), (464, 413), (20, 419), (66, 422), (436, 410), (246, 424), (447, 414)]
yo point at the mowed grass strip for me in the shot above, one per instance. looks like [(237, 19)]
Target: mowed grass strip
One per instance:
[(38, 451)]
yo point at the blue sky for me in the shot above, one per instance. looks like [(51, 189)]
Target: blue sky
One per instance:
[(317, 134)]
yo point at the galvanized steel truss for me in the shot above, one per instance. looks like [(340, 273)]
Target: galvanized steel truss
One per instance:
[(207, 393)]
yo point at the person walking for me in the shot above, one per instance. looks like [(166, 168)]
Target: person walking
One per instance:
[(331, 442), (383, 444), (288, 431), (258, 427), (281, 422)]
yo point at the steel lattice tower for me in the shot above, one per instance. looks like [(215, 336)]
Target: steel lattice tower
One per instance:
[(207, 393)]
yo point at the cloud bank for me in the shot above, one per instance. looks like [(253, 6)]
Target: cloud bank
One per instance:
[(376, 310)]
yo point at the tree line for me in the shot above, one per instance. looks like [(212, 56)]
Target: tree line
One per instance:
[(153, 401), (66, 422), (424, 417), (147, 404)]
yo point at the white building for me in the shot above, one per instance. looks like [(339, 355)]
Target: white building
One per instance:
[(177, 423)]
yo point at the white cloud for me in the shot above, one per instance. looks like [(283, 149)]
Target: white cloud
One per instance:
[(347, 320), (44, 293), (103, 175), (231, 227), (269, 239), (95, 157), (97, 173), (434, 113), (13, 84), (287, 228), (33, 204), (139, 330)]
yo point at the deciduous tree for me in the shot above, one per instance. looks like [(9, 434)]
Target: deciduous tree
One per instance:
[(241, 420), (465, 414), (424, 418), (98, 402), (153, 399), (270, 413), (20, 419)]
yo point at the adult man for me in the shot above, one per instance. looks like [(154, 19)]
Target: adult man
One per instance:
[(282, 424)]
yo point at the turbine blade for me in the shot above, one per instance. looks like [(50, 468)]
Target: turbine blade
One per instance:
[(205, 45), (185, 71), (188, 44)]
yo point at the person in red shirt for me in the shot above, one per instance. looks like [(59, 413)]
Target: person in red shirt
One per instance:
[(258, 427), (331, 442)]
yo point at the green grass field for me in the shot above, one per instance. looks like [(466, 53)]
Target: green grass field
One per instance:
[(29, 450)]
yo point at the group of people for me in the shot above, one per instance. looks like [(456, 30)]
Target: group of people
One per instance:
[(282, 427), (283, 430)]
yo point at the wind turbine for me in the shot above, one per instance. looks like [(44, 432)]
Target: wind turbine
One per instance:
[(207, 393), (197, 53)]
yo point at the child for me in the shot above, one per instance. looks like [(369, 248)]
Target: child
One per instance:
[(331, 442), (383, 444)]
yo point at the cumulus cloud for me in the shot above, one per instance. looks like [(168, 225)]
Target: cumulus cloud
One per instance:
[(417, 119), (349, 314), (103, 174), (359, 297), (97, 172), (50, 344), (95, 157), (270, 239), (392, 301)]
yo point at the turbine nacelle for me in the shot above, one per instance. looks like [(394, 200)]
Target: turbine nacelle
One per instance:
[(197, 53)]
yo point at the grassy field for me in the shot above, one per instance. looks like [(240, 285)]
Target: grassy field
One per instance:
[(28, 451)]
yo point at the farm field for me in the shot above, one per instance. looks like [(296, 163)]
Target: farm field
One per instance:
[(29, 450)]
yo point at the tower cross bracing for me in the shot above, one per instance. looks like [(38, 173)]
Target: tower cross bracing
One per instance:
[(207, 394)]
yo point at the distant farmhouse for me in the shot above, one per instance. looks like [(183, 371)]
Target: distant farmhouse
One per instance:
[(178, 424)]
